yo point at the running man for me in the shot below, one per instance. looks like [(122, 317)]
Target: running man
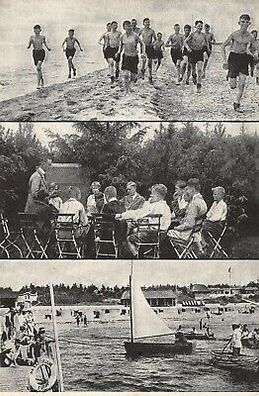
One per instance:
[(129, 47), (135, 27), (196, 43), (185, 64), (241, 42), (148, 36), (254, 66), (175, 41), (159, 47), (70, 50), (207, 51), (38, 52), (103, 39), (111, 51)]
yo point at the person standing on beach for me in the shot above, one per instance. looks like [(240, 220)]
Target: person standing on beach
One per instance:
[(196, 44), (185, 64), (38, 53), (111, 51), (175, 41), (70, 50), (159, 47), (129, 46), (103, 39), (148, 36), (241, 42), (207, 51)]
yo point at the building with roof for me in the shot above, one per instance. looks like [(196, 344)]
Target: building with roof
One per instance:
[(8, 298), (155, 297)]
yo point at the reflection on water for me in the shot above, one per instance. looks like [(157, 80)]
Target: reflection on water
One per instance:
[(93, 359)]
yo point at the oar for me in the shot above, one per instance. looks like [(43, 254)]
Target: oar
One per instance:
[(227, 344)]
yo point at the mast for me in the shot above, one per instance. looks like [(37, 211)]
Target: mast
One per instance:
[(131, 303), (57, 351)]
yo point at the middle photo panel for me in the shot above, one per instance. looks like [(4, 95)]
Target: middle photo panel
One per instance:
[(129, 190)]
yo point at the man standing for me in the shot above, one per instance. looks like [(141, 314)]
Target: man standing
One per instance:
[(133, 200), (111, 50), (236, 343), (148, 36), (37, 184)]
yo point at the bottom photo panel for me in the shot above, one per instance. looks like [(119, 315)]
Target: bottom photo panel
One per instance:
[(129, 326)]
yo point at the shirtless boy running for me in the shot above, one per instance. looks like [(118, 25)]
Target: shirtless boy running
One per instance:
[(159, 47), (70, 50), (196, 44), (207, 51), (185, 64), (103, 39), (111, 51), (175, 41), (129, 47), (241, 42), (148, 36), (38, 52)]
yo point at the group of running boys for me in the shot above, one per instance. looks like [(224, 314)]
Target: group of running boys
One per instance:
[(190, 53)]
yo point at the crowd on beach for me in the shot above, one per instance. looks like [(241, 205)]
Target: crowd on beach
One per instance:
[(190, 51), (187, 213), (22, 343)]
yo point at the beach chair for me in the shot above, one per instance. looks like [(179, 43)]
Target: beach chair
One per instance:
[(151, 246), (67, 242), (186, 248), (35, 246), (216, 243), (10, 239), (106, 245)]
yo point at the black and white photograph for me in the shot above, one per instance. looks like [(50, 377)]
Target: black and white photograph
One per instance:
[(113, 190), (130, 59), (129, 326)]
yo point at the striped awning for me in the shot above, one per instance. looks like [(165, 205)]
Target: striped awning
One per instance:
[(193, 303)]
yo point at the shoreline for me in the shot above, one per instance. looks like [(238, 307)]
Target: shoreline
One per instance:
[(91, 97)]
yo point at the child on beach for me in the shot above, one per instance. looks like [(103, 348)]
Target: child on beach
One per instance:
[(148, 36), (185, 64), (207, 51), (241, 42), (38, 53), (70, 50), (103, 39), (159, 47), (128, 46), (196, 44), (112, 46), (175, 41)]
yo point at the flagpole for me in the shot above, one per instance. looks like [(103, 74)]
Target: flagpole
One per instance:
[(57, 351), (131, 304)]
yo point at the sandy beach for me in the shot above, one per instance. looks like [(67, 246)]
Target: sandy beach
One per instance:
[(90, 97)]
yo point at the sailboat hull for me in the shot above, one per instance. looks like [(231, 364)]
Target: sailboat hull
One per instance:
[(134, 349)]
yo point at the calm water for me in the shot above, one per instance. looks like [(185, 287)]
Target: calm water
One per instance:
[(93, 359)]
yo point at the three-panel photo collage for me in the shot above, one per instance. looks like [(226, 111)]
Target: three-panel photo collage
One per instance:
[(129, 196)]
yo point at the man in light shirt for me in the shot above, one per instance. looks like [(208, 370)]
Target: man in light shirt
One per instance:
[(216, 215), (236, 343), (196, 209), (75, 207), (155, 206)]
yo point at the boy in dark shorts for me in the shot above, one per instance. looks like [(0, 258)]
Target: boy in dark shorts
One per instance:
[(111, 51), (159, 47), (148, 36), (196, 43), (185, 64), (241, 42), (253, 63), (129, 47), (207, 51), (70, 50), (175, 41), (38, 52), (102, 39)]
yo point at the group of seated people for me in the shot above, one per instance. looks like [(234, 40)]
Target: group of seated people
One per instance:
[(21, 342), (178, 219)]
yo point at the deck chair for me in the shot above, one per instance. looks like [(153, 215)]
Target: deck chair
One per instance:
[(186, 248), (35, 247), (66, 237), (106, 245), (10, 239), (216, 243), (150, 248)]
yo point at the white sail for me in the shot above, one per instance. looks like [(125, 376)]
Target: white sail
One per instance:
[(145, 321)]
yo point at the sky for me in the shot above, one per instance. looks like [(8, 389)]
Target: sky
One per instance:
[(62, 128), (15, 274), (88, 18)]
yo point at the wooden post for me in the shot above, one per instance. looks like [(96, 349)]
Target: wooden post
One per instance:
[(131, 306), (57, 351)]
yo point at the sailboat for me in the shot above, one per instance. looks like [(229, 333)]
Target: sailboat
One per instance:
[(145, 324)]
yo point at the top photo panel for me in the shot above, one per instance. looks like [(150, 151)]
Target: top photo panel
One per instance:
[(167, 60)]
